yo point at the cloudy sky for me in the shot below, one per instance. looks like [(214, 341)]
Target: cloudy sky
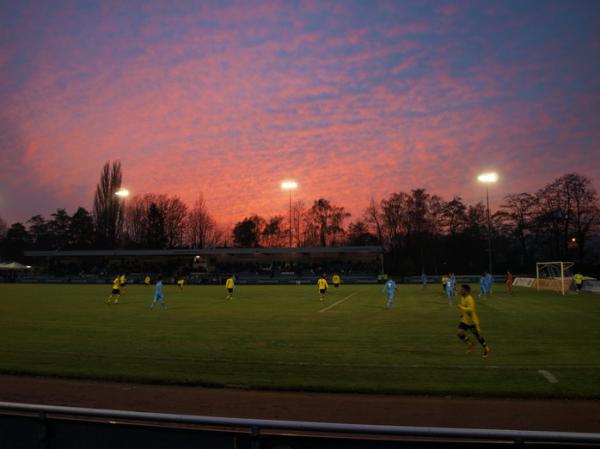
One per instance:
[(354, 100)]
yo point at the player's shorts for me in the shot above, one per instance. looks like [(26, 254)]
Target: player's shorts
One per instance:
[(336, 285), (322, 291), (467, 327), (115, 291), (157, 297), (578, 286), (230, 290), (124, 284)]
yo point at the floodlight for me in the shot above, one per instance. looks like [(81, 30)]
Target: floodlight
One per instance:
[(122, 193), (289, 185), (488, 177)]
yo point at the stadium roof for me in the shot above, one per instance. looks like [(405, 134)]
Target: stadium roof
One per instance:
[(334, 250)]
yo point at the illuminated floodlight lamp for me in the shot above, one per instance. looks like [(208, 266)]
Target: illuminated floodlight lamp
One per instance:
[(122, 193), (289, 185), (488, 178)]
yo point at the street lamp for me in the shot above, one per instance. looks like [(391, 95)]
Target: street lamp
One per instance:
[(290, 185), (487, 179)]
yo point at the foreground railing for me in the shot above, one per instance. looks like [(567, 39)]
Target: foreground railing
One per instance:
[(55, 423)]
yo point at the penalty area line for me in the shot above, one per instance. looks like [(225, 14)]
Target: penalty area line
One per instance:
[(336, 303), (548, 375)]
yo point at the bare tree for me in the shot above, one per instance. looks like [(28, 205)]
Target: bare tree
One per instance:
[(568, 208), (273, 233), (517, 218), (201, 228), (174, 212), (108, 209), (326, 221)]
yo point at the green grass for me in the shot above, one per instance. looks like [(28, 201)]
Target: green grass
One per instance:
[(275, 337)]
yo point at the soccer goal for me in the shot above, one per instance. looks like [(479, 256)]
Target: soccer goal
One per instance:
[(555, 276)]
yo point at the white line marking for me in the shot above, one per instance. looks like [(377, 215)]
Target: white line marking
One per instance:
[(336, 303), (548, 375)]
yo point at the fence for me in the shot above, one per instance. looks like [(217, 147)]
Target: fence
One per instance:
[(43, 426)]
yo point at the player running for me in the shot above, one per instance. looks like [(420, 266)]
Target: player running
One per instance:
[(180, 282), (489, 282), (390, 288), (230, 286), (123, 283), (116, 292), (323, 286), (337, 280), (147, 280), (469, 321), (158, 294), (482, 285), (424, 280), (509, 282), (444, 282), (450, 286)]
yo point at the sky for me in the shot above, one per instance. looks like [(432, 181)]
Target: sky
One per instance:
[(353, 99)]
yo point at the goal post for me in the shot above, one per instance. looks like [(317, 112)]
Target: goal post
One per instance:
[(553, 276)]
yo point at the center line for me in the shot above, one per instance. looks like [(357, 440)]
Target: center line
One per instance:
[(336, 303)]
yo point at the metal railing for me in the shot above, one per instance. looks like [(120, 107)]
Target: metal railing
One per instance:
[(261, 427)]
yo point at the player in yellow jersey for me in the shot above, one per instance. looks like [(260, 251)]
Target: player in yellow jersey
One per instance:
[(322, 283), (123, 283), (444, 282), (230, 286), (469, 321), (578, 278), (180, 282), (116, 291), (337, 280), (147, 280)]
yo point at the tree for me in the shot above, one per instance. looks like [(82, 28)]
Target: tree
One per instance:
[(39, 232), (15, 242), (81, 229), (373, 218), (517, 219), (201, 228), (273, 233), (454, 216), (359, 234), (156, 234), (247, 232), (108, 209), (58, 229), (326, 221), (3, 228), (568, 207), (174, 212)]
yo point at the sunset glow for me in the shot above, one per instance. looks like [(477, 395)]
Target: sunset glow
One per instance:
[(355, 99)]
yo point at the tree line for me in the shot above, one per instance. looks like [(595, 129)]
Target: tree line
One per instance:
[(418, 231)]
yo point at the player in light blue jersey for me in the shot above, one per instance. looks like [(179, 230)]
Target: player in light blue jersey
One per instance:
[(390, 288), (482, 285), (489, 282), (450, 286), (424, 280), (158, 294)]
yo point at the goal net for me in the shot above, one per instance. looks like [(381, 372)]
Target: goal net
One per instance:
[(554, 276)]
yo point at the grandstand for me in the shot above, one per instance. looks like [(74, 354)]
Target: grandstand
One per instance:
[(356, 264)]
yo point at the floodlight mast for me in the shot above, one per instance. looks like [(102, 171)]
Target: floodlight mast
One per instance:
[(289, 186), (487, 179)]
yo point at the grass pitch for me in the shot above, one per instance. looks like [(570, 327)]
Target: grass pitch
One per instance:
[(282, 337)]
